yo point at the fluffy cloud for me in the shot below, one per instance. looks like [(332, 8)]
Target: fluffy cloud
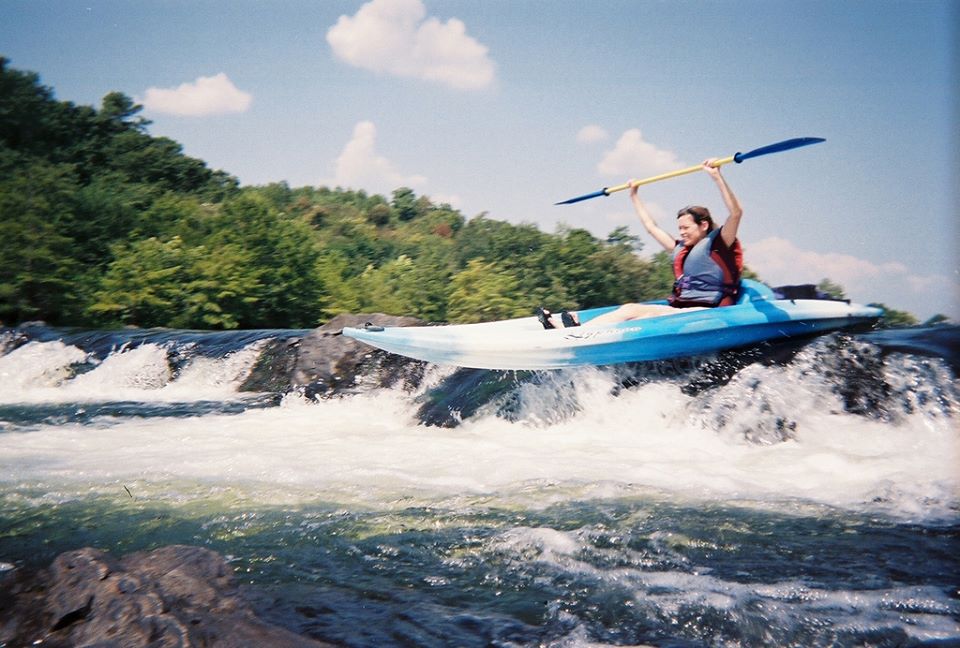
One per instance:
[(396, 37), (359, 165), (782, 261), (213, 95), (779, 261), (592, 134), (633, 156)]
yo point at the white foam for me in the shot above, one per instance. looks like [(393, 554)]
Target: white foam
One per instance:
[(36, 365), (212, 376), (141, 368), (46, 372), (643, 439)]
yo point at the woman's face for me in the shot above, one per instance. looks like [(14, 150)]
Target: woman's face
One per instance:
[(690, 232)]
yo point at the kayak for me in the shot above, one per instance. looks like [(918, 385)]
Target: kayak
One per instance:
[(760, 315)]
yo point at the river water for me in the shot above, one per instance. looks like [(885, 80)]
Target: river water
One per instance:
[(787, 506)]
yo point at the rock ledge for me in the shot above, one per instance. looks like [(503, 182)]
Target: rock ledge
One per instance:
[(175, 596)]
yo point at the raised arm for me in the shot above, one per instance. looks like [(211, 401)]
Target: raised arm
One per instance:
[(668, 242), (729, 229)]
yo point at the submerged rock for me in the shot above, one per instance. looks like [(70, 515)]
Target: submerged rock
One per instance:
[(467, 391), (172, 596)]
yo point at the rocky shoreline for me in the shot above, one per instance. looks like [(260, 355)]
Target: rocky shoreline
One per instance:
[(172, 597)]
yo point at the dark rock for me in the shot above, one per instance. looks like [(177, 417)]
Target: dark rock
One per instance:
[(173, 596), (942, 341), (325, 363), (274, 368), (466, 391), (328, 363)]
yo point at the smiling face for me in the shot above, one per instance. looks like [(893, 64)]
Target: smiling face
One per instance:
[(692, 232)]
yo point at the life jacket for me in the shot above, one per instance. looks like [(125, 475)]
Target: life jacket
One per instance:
[(708, 273)]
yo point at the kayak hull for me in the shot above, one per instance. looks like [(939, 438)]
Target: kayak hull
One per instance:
[(524, 344)]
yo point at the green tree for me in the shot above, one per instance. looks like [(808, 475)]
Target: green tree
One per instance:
[(405, 204), (222, 286), (284, 254), (143, 285), (658, 283), (107, 210), (524, 251), (481, 293), (831, 288), (166, 283), (342, 292), (102, 223), (404, 286), (37, 270), (388, 289), (622, 237), (893, 318), (575, 252), (119, 110), (31, 122)]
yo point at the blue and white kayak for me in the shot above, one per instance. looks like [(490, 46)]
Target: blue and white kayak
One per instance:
[(523, 343)]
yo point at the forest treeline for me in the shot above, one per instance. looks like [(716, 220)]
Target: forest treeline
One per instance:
[(102, 224)]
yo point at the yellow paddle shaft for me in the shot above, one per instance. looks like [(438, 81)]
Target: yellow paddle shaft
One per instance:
[(665, 176)]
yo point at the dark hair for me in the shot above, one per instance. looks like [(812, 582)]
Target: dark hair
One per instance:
[(699, 215)]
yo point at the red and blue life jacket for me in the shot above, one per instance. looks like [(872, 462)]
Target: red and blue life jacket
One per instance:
[(707, 273)]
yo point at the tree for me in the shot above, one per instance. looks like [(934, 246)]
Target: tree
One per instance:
[(223, 285), (342, 292), (143, 285), (28, 112), (659, 280), (405, 204), (522, 250), (621, 236), (937, 320), (835, 290), (119, 110), (38, 273), (481, 293), (284, 254), (102, 223), (166, 283), (405, 286), (572, 252), (893, 318)]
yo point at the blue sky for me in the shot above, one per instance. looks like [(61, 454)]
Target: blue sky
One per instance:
[(505, 107)]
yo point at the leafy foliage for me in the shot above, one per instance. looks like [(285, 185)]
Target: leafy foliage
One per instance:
[(482, 292), (831, 288), (102, 224), (893, 318)]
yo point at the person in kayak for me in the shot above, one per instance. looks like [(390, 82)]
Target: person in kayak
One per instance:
[(707, 260)]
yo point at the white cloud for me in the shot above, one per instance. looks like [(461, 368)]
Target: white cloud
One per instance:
[(633, 156), (779, 261), (782, 261), (360, 167), (592, 134), (213, 95), (395, 37)]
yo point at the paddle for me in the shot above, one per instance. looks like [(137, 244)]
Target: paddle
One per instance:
[(785, 145)]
